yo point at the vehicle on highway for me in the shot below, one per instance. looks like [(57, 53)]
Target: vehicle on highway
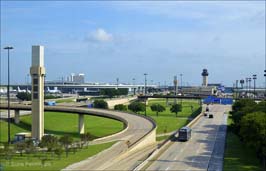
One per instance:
[(207, 109), (210, 115), (205, 114), (184, 134), (23, 137), (50, 103)]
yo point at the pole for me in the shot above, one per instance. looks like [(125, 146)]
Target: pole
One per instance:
[(145, 85), (8, 92), (8, 95)]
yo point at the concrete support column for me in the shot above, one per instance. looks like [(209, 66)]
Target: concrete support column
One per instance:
[(16, 116), (81, 124)]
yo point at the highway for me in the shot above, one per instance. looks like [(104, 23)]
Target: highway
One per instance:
[(137, 127), (203, 151)]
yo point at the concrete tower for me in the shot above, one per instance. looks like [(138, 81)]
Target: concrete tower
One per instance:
[(205, 77), (37, 72)]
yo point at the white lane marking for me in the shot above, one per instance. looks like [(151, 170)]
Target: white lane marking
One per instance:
[(167, 168)]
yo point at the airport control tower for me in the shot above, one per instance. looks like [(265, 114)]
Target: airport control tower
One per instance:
[(205, 77), (37, 72)]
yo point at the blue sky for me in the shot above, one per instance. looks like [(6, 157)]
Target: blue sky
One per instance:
[(125, 39)]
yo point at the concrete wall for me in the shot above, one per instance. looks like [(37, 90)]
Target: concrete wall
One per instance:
[(112, 103), (144, 142)]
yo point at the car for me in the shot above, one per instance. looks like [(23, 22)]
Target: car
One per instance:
[(205, 114), (207, 109), (210, 115)]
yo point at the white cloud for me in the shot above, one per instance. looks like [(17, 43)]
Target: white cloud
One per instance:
[(100, 35)]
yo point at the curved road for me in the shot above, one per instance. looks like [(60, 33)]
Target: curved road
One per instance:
[(137, 127)]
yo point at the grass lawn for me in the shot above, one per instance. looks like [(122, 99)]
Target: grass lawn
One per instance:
[(62, 123), (166, 121), (34, 161), (237, 156), (65, 100)]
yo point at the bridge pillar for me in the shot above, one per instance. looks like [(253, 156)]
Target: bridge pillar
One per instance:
[(16, 118), (81, 124)]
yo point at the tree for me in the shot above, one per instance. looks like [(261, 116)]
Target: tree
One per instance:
[(157, 108), (100, 104), (111, 92), (120, 107), (85, 138), (175, 108), (66, 141), (253, 132), (24, 96), (20, 147), (49, 141), (58, 151), (137, 107)]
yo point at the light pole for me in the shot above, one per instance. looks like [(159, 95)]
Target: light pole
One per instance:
[(117, 80), (181, 82), (145, 86), (246, 87), (8, 48), (265, 80), (134, 89), (249, 89), (254, 78), (237, 89), (145, 91)]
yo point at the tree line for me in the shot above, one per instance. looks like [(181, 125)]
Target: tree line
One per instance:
[(26, 96), (50, 144), (249, 123), (112, 92), (138, 107)]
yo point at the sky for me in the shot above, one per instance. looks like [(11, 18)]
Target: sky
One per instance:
[(125, 39)]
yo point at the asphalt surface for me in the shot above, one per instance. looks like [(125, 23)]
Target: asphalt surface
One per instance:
[(204, 151)]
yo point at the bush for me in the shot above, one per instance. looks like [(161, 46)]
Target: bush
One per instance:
[(100, 104), (120, 107), (137, 107)]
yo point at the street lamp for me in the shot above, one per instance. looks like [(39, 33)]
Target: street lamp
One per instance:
[(249, 89), (8, 48), (254, 78), (117, 80), (145, 91), (134, 89), (145, 86), (265, 80)]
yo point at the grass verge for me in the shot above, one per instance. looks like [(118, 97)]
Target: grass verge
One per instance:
[(41, 161), (60, 124), (237, 156)]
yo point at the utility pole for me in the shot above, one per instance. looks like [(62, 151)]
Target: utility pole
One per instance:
[(145, 86), (8, 48), (254, 78)]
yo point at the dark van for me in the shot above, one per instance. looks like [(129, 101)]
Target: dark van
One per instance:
[(184, 134)]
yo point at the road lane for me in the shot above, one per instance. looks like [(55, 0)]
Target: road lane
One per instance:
[(197, 152)]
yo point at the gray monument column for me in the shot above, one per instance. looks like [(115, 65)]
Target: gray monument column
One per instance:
[(37, 72), (81, 124), (16, 116)]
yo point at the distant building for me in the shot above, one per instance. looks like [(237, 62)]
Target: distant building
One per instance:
[(76, 78), (202, 90)]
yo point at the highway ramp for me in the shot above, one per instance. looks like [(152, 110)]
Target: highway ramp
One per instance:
[(137, 127)]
